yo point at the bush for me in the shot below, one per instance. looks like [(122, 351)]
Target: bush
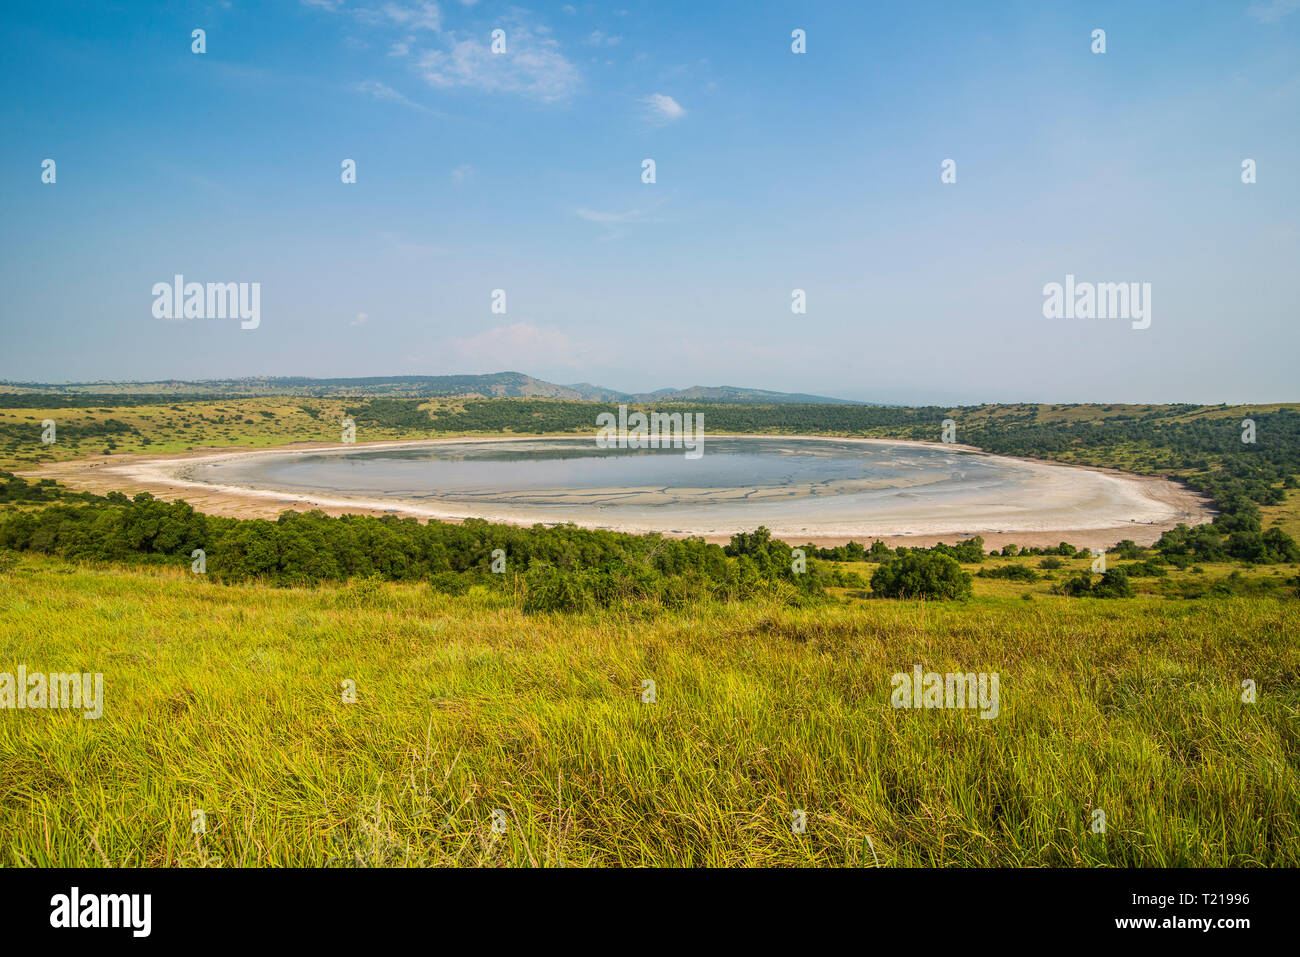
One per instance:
[(1075, 587), (361, 592), (1016, 572), (1051, 562), (680, 591), (1113, 584), (550, 589), (921, 575), (449, 583), (1144, 570), (1127, 550)]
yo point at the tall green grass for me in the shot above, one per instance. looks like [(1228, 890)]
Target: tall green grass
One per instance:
[(227, 699)]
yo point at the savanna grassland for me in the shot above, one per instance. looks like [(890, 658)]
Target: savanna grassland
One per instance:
[(521, 694), (227, 699)]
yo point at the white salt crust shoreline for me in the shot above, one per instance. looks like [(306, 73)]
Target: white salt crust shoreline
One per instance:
[(1120, 506)]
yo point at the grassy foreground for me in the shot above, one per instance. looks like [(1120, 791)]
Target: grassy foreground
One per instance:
[(227, 699)]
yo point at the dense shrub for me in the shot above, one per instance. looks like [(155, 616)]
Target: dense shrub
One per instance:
[(1146, 569), (1114, 584), (1128, 550), (921, 575), (549, 589), (1208, 543), (1076, 587), (969, 551), (450, 583), (1014, 572)]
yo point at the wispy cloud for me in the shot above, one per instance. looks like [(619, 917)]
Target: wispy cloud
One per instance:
[(382, 91), (598, 39), (615, 220), (520, 344), (186, 175), (462, 174), (1273, 10), (414, 16), (663, 108), (418, 16), (533, 65)]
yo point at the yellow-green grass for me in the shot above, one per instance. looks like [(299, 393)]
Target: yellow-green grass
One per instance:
[(227, 699), (177, 427), (1285, 516), (185, 425), (1204, 573), (258, 422)]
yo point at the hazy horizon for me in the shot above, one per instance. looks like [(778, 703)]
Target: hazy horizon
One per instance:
[(916, 400)]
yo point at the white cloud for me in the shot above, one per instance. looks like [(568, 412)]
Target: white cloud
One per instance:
[(462, 174), (663, 108), (418, 16), (360, 320), (412, 16), (614, 221), (533, 65), (518, 345), (598, 39), (381, 91), (1273, 10)]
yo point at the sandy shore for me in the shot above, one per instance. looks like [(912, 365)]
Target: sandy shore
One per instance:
[(1151, 504)]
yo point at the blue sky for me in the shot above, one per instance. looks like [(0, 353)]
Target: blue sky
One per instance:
[(775, 171)]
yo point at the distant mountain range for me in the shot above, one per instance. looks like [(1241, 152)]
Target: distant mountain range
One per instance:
[(703, 393), (493, 385)]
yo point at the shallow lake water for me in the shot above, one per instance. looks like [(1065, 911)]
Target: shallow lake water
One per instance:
[(813, 485)]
